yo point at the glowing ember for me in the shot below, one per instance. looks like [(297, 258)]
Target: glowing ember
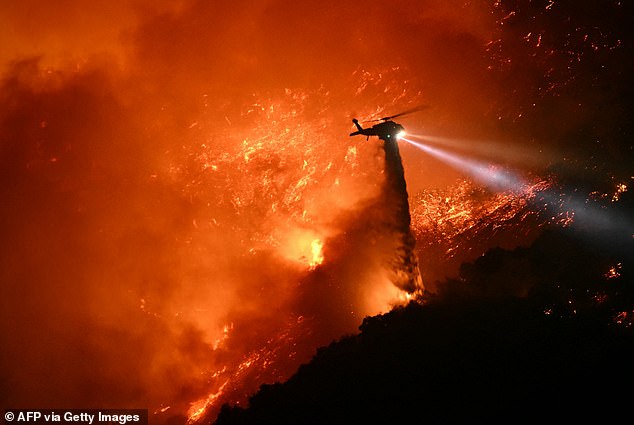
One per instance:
[(620, 189), (614, 272), (189, 189), (624, 318)]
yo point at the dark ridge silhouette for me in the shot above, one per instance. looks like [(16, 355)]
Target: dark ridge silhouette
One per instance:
[(542, 333)]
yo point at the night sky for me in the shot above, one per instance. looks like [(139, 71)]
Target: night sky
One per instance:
[(185, 217)]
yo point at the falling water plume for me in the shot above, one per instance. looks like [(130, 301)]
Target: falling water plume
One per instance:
[(406, 274)]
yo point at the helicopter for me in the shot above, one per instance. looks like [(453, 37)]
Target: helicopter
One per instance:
[(387, 129)]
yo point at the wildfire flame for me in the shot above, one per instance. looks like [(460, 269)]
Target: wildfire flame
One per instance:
[(190, 190), (286, 176), (317, 256)]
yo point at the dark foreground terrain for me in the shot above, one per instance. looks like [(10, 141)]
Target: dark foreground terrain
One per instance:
[(534, 335)]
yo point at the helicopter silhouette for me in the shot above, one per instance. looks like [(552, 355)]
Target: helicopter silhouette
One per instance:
[(387, 129)]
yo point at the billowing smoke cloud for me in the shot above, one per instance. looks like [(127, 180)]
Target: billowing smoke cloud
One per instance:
[(159, 218), (183, 213)]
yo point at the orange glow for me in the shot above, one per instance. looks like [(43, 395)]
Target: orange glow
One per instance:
[(184, 186), (198, 408), (316, 248)]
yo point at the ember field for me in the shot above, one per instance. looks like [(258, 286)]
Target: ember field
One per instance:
[(184, 217)]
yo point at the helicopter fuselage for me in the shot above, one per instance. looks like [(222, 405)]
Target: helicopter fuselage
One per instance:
[(387, 130)]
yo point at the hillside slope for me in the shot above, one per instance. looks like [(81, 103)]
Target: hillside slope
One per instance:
[(534, 334)]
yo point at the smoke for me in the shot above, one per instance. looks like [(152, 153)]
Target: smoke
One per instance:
[(183, 213), (153, 251)]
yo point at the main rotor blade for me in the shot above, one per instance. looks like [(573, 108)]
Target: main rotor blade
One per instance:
[(407, 112)]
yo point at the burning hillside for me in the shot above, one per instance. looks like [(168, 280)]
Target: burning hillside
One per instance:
[(185, 218)]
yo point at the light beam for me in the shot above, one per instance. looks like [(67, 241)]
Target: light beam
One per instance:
[(593, 219), (491, 175)]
